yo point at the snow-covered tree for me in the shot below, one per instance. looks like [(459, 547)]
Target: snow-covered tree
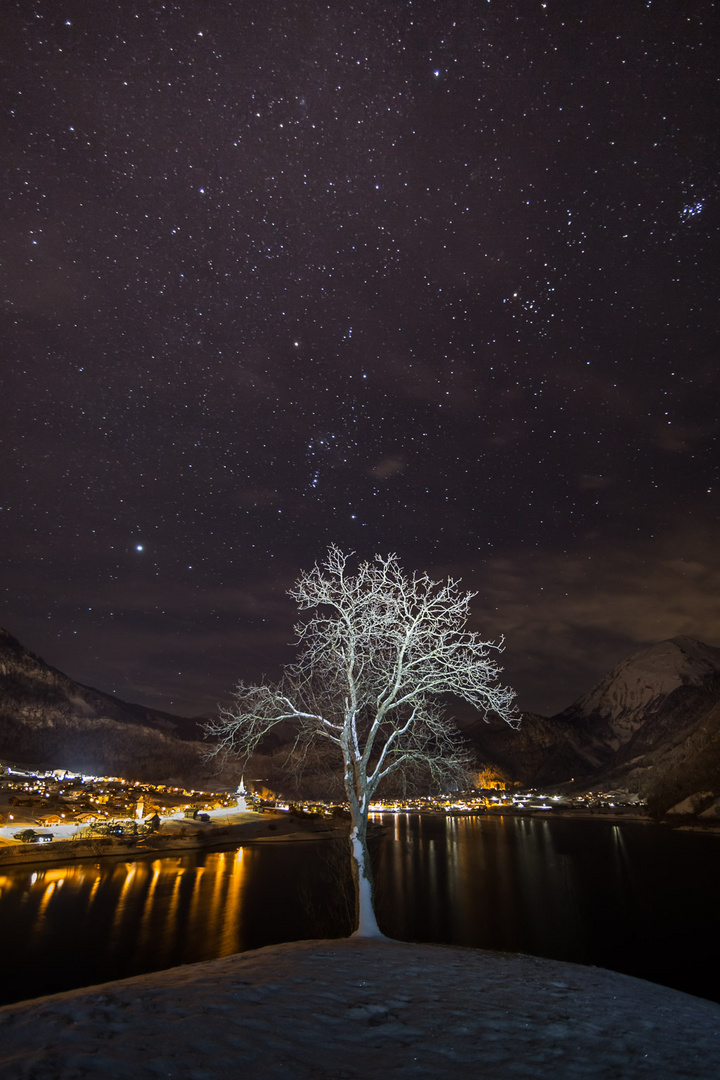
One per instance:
[(375, 660)]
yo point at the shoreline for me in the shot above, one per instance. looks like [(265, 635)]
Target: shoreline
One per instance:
[(268, 828), (685, 823), (255, 829)]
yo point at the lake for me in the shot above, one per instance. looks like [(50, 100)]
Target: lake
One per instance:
[(640, 899)]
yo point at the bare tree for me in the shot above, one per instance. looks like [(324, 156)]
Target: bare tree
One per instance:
[(374, 659)]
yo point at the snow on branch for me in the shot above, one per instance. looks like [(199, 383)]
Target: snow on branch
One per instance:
[(378, 650), (376, 658)]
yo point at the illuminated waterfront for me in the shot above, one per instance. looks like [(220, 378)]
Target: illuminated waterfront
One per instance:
[(636, 898)]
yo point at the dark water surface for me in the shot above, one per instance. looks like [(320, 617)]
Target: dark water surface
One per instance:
[(635, 898)]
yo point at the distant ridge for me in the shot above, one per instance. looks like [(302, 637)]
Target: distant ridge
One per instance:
[(49, 719), (651, 726)]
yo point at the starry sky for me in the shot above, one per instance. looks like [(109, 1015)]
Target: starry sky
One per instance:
[(433, 277)]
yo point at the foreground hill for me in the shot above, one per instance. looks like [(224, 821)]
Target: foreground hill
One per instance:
[(358, 1009), (49, 720)]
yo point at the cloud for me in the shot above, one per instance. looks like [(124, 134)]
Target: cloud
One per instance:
[(388, 466), (569, 618)]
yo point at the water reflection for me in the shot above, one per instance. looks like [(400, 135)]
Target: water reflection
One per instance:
[(126, 905), (497, 883), (88, 922), (633, 898)]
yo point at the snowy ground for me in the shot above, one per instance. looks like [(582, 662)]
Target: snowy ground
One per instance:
[(346, 1010), (68, 830)]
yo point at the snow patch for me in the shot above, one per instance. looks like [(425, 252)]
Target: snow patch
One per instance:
[(694, 804), (367, 923), (712, 814), (359, 1008)]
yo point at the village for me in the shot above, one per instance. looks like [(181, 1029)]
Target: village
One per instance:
[(65, 804), (42, 806)]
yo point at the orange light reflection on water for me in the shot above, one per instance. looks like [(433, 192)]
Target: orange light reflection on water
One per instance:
[(164, 901)]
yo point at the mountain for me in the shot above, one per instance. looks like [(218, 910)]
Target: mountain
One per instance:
[(651, 725), (47, 719), (642, 686)]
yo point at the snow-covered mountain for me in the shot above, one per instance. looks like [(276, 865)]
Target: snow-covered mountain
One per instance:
[(652, 724), (637, 688)]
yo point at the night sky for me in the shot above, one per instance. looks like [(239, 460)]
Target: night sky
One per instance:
[(436, 278)]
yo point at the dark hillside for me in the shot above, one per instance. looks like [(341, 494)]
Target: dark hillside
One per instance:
[(48, 719)]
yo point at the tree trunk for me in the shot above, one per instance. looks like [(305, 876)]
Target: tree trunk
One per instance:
[(365, 922)]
